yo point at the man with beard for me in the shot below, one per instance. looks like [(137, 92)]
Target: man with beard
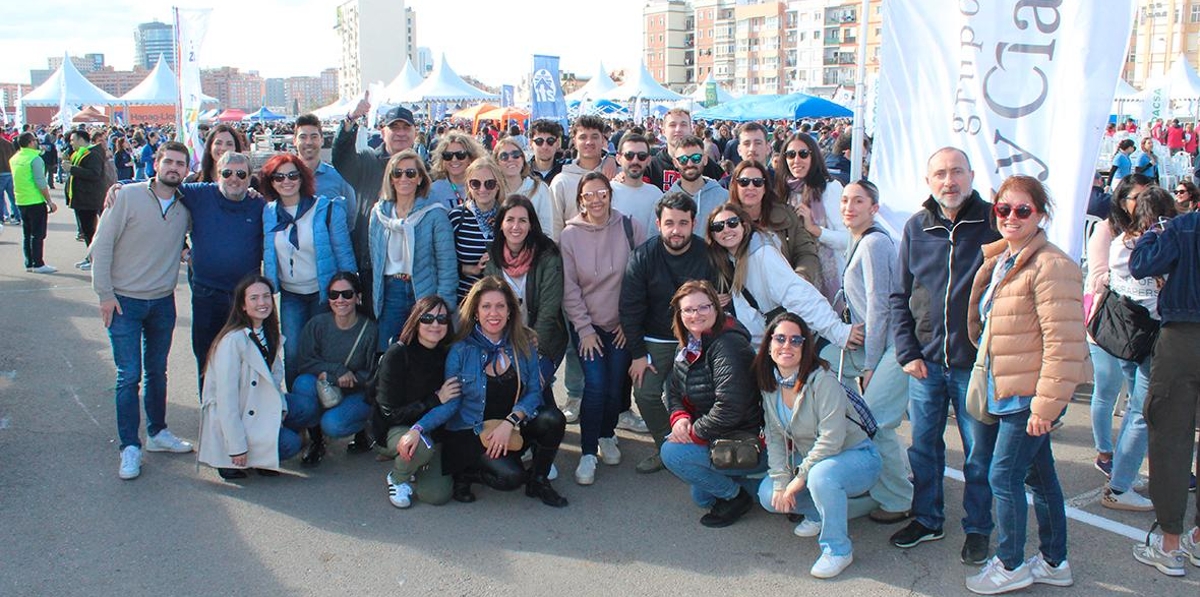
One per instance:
[(706, 192), (655, 271), (307, 139), (135, 266), (662, 171), (631, 195)]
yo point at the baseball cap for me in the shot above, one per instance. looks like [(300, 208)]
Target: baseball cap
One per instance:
[(397, 113)]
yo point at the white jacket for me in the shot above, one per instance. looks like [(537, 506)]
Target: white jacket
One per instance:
[(243, 406)]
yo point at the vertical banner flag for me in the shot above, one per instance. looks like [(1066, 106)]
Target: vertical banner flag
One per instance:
[(1021, 86), (1155, 102), (710, 94), (19, 115), (506, 96), (191, 25), (547, 100)]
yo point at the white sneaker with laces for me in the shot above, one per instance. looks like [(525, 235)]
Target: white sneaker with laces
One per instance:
[(1130, 501), (1190, 548), (131, 463), (994, 578), (165, 441), (629, 421), (1044, 573), (609, 452), (570, 410), (44, 269), (1151, 553), (585, 473), (807, 528), (829, 565), (399, 494)]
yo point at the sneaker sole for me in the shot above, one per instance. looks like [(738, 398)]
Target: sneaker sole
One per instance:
[(1005, 589), (1054, 582), (150, 448), (1115, 505), (919, 540), (1161, 568), (127, 476), (584, 480), (832, 573)]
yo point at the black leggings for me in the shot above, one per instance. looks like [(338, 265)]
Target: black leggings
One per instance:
[(86, 218), (542, 435)]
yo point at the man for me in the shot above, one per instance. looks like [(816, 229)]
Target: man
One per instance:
[(1172, 252), (8, 209), (838, 160), (631, 195), (940, 251), (654, 272), (85, 187), (148, 152), (662, 171), (590, 138), (545, 137), (33, 201), (50, 155), (307, 139), (706, 192), (752, 143), (135, 267)]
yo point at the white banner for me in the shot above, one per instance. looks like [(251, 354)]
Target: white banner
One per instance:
[(1022, 86), (191, 25), (1156, 103)]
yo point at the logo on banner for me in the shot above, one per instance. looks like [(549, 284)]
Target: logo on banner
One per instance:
[(544, 89)]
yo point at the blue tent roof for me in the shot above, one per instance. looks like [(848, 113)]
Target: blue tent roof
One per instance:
[(761, 107), (264, 114)]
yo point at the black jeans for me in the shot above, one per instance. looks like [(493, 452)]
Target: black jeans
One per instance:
[(33, 224), (542, 435), (1170, 413), (87, 219), (210, 309)]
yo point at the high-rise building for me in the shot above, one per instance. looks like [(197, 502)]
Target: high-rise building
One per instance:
[(760, 53), (714, 29), (117, 82), (369, 30), (273, 95), (329, 84), (669, 48), (1163, 30), (152, 39), (233, 88)]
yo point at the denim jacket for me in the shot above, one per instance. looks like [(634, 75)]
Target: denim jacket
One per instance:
[(466, 360)]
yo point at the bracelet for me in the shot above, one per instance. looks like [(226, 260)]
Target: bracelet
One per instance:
[(514, 419), (419, 429)]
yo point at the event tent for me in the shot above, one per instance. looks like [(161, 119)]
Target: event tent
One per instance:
[(337, 110), (406, 81), (1182, 80), (701, 93), (760, 107), (231, 115), (79, 91), (444, 85), (262, 114), (159, 88), (599, 85), (643, 87)]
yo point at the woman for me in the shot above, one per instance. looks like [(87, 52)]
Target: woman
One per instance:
[(1147, 162), (454, 152), (221, 139), (711, 395), (1187, 196), (803, 180), (757, 280), (818, 457), (305, 242), (474, 221), (595, 251), (338, 348), (750, 189), (496, 363), (525, 258), (246, 421), (411, 382), (411, 243), (1122, 166), (518, 180), (123, 159), (1027, 304)]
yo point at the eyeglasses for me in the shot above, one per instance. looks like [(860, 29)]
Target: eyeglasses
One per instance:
[(719, 225), (430, 318), (540, 141), (695, 158), (792, 154), (639, 155), (795, 340), (589, 195), (489, 184), (242, 174), (341, 294), (280, 176), (1181, 191), (407, 173), (454, 155), (694, 311), (1022, 211), (758, 182), (515, 154)]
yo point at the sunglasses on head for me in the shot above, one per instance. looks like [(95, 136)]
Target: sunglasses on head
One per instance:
[(505, 156), (719, 225), (407, 173), (695, 158), (242, 174), (758, 182), (454, 155), (1022, 211), (540, 141), (795, 340), (280, 176), (791, 154), (428, 318), (638, 155), (489, 184), (341, 294)]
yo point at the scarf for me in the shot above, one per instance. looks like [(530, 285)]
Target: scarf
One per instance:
[(495, 351), (287, 220), (786, 382), (693, 349), (519, 264), (817, 208), (404, 228), (486, 220)]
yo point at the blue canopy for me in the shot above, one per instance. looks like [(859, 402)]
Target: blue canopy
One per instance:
[(762, 107), (264, 114)]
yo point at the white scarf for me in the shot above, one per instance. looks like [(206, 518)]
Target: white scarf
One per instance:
[(405, 229)]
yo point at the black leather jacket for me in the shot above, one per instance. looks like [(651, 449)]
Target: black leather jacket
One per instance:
[(718, 391)]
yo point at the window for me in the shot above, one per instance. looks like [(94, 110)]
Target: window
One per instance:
[(1195, 16)]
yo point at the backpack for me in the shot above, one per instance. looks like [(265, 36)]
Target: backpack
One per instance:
[(866, 420)]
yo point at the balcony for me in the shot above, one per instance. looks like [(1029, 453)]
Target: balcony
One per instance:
[(842, 16)]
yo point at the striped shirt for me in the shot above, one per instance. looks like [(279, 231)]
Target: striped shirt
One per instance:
[(470, 244)]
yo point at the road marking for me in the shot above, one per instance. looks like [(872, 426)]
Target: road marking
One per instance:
[(75, 395), (43, 289)]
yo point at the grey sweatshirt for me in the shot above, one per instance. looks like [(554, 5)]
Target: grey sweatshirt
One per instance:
[(136, 250), (868, 281)]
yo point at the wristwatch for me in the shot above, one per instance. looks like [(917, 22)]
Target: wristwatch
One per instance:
[(514, 419)]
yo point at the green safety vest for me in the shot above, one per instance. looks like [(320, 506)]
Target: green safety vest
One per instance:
[(25, 187)]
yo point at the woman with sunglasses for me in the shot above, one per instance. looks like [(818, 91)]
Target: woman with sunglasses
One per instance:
[(750, 188), (474, 221), (412, 245), (337, 347), (410, 383), (818, 457), (221, 139), (802, 179), (453, 153), (596, 245), (518, 180), (501, 393), (305, 242), (758, 281), (1026, 312), (1187, 196)]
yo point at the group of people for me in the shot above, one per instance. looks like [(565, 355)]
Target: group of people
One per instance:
[(771, 335)]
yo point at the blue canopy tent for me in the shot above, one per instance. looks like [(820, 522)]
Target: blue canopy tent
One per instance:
[(607, 108), (262, 114), (762, 107)]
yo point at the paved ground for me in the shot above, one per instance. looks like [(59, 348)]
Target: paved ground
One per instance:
[(68, 526)]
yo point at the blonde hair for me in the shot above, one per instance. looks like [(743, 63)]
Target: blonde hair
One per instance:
[(469, 145), (487, 163), (387, 192)]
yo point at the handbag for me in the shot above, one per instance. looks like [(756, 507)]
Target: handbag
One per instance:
[(735, 452), (328, 392), (515, 441), (977, 386), (1123, 328)]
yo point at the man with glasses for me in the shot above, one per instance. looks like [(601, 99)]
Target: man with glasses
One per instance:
[(706, 192), (662, 170), (547, 160), (308, 140), (631, 195)]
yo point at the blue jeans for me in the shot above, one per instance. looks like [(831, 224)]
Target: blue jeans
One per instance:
[(830, 485), (548, 366), (690, 462), (398, 301), (347, 418), (294, 311), (603, 379), (210, 309), (8, 208), (1106, 385), (141, 339), (929, 401), (302, 413), (1021, 460), (1134, 437)]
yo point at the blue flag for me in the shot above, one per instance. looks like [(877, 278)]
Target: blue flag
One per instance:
[(547, 99), (506, 96)]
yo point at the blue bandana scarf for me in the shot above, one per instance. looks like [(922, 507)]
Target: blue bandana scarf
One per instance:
[(286, 219)]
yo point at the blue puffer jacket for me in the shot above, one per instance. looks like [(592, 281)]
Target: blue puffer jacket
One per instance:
[(332, 242), (1174, 251), (466, 360), (435, 268)]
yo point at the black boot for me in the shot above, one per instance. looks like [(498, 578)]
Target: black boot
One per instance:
[(230, 474), (727, 512), (361, 443), (316, 448), (539, 487), (462, 490)]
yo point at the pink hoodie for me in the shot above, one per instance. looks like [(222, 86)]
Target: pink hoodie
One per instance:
[(594, 259)]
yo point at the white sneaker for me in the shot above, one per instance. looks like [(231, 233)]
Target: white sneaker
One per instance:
[(1044, 573), (994, 578), (571, 410), (829, 565), (585, 473), (131, 463), (1190, 548), (807, 528), (399, 494), (1129, 500), (609, 452), (1151, 553), (81, 264), (165, 441), (44, 269), (553, 473), (629, 421)]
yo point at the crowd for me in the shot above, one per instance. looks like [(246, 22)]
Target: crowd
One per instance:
[(422, 294)]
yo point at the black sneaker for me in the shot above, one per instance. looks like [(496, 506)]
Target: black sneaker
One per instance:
[(915, 533), (727, 512), (975, 549)]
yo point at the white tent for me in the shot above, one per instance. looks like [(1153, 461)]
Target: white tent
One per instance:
[(1125, 91), (1182, 80), (406, 81), (158, 88), (444, 85), (79, 90), (701, 92), (642, 86), (595, 88), (337, 110)]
